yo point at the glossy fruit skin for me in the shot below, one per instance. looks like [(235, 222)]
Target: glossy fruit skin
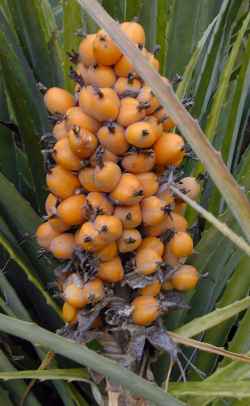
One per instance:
[(101, 76), (128, 191), (63, 246), (185, 278), (189, 186), (147, 261), (107, 176), (153, 243), (82, 142), (149, 182), (104, 49), (175, 222), (146, 310), (130, 216), (60, 131), (134, 32), (130, 112), (62, 183), (107, 156), (107, 253), (129, 241), (57, 224), (123, 68), (45, 234), (170, 258), (141, 134), (86, 178), (169, 149), (123, 85), (147, 96), (64, 156), (58, 100), (69, 313), (109, 228), (111, 271), (79, 295), (153, 289), (152, 210), (99, 203), (76, 117), (51, 204), (113, 138), (73, 210), (86, 53), (89, 239), (102, 104), (181, 245), (138, 162)]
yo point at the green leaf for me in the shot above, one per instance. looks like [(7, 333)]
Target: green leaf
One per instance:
[(116, 8), (237, 288), (84, 356), (17, 389), (33, 22), (148, 19), (164, 18), (5, 397), (26, 102), (72, 22), (133, 9), (73, 374), (220, 390), (212, 319)]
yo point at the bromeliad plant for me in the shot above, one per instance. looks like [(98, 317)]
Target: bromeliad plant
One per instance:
[(102, 135)]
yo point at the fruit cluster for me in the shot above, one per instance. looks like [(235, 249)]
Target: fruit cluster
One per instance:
[(112, 218)]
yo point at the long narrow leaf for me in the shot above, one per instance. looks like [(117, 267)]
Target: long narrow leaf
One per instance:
[(220, 390)]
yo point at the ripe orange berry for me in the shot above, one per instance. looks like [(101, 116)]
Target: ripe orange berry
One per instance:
[(105, 50), (138, 162), (69, 313), (128, 84), (108, 252), (76, 117), (101, 76), (149, 182), (130, 216), (86, 177), (61, 182), (154, 244), (60, 131), (128, 191), (79, 295), (153, 289), (63, 246), (146, 310), (164, 193), (153, 210), (103, 104), (141, 134), (51, 204), (106, 157), (170, 258), (107, 176), (189, 186), (112, 137), (82, 142), (158, 127), (131, 110), (134, 31), (64, 156), (45, 234), (99, 203), (180, 208), (153, 61), (89, 239), (169, 149), (124, 67), (175, 222), (129, 241), (163, 117), (86, 53), (181, 245), (72, 211), (108, 227), (147, 261), (57, 224), (185, 278), (111, 271), (146, 95), (178, 222), (58, 100)]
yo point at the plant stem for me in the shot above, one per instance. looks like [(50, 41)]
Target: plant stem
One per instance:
[(189, 127)]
